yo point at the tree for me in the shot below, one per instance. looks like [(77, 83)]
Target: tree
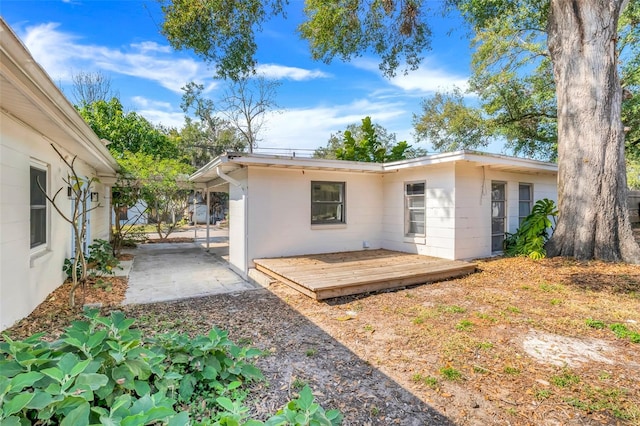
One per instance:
[(210, 135), (245, 104), (580, 35), (512, 78), (80, 187), (366, 142), (163, 184), (89, 88), (127, 131), (450, 125)]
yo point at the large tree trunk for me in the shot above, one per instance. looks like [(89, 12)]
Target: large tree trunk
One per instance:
[(592, 184)]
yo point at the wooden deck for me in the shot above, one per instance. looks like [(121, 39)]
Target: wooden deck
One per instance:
[(323, 276)]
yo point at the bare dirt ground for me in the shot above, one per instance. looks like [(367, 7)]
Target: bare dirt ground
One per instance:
[(520, 342)]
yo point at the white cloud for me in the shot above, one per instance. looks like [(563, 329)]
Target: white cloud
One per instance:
[(277, 72), (61, 53), (428, 78), (310, 128)]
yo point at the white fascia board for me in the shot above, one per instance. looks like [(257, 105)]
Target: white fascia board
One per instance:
[(482, 159), (304, 163), (37, 86)]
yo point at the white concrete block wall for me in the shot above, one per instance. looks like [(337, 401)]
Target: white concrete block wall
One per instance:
[(281, 225), (237, 226), (440, 213), (473, 205), (27, 277)]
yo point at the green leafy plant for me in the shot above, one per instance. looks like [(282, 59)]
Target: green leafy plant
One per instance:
[(304, 411), (101, 260), (102, 371), (531, 236), (451, 374)]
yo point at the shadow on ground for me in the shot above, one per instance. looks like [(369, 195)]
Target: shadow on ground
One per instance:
[(301, 352)]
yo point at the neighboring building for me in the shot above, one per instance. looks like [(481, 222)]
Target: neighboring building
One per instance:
[(34, 239), (453, 205)]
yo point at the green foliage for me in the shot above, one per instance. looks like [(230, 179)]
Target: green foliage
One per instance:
[(304, 411), (451, 374), (622, 332), (449, 124), (368, 142), (101, 260), (597, 324), (102, 371), (163, 185), (127, 131), (531, 236)]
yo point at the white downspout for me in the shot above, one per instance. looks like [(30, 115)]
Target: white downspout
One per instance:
[(232, 181)]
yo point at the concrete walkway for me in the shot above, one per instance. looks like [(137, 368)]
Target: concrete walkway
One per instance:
[(171, 271)]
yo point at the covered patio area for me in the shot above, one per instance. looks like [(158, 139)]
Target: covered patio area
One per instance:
[(323, 276)]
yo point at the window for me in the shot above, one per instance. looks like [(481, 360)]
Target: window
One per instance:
[(327, 202), (38, 207), (498, 215), (525, 198), (414, 209)]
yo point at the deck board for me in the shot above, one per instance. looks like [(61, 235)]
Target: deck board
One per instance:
[(323, 276)]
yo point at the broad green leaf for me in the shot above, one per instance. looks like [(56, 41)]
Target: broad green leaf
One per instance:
[(251, 372), (142, 387), (187, 386), (9, 368), (226, 403), (134, 420), (158, 413), (11, 421), (96, 339), (93, 380), (79, 367), (306, 398), (17, 403), (24, 380), (180, 419), (40, 400), (142, 405), (79, 416), (67, 363)]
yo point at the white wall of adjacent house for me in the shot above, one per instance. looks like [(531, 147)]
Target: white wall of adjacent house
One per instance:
[(439, 233), (473, 204), (280, 218), (28, 275)]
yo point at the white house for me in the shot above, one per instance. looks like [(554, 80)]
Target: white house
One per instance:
[(453, 205), (34, 239)]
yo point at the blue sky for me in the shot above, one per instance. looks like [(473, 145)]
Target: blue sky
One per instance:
[(122, 40)]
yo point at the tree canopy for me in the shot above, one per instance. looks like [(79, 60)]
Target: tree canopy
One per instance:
[(367, 142), (512, 78), (127, 131)]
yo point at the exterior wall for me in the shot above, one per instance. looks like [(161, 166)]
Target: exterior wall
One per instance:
[(440, 221), (27, 277), (238, 205), (280, 213), (473, 205)]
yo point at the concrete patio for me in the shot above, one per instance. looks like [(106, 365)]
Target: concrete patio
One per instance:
[(172, 271)]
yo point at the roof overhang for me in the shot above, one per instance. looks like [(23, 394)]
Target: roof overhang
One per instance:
[(208, 176), (30, 97)]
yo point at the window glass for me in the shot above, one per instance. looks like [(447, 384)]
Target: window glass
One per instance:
[(327, 202), (414, 206), (525, 199), (38, 218), (498, 215)]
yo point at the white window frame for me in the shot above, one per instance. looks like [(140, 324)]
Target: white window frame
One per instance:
[(40, 246), (409, 207), (521, 201), (504, 217), (341, 204)]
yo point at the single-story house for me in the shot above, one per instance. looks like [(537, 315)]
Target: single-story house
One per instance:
[(454, 205), (34, 239)]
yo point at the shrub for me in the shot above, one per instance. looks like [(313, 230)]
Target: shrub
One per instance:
[(102, 371), (532, 235), (100, 261)]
